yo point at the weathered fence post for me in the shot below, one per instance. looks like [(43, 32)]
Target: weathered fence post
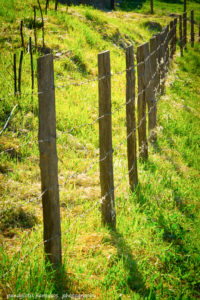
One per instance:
[(167, 48), (175, 38), (152, 7), (130, 118), (56, 5), (162, 63), (141, 105), (40, 8), (158, 42), (21, 32), (112, 4), (171, 38), (31, 56), (105, 141), (185, 30), (20, 72), (46, 6), (149, 94), (155, 65), (15, 74), (181, 34), (192, 28), (35, 33), (48, 160)]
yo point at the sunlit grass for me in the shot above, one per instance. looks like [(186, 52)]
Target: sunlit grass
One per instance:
[(154, 252)]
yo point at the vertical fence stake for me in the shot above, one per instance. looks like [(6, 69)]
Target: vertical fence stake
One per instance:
[(149, 93), (185, 30), (48, 160), (105, 141), (46, 6), (158, 41), (21, 32), (130, 118), (141, 105), (171, 38), (181, 34), (15, 74), (31, 56), (162, 64), (192, 28), (42, 22), (152, 7), (175, 38), (20, 72), (56, 5)]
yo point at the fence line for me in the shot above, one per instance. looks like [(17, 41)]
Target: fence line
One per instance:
[(148, 90)]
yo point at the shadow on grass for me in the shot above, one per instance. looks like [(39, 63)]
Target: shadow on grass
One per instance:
[(134, 278)]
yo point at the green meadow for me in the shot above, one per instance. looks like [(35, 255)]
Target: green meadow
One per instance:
[(154, 253)]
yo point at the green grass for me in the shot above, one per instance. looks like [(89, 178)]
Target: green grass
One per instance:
[(154, 252)]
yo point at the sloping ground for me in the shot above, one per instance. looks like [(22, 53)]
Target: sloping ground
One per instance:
[(155, 249)]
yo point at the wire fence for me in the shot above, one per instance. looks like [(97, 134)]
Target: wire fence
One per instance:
[(162, 63)]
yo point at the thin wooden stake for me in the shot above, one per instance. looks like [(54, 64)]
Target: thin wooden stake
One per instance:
[(21, 32), (130, 118), (47, 5), (15, 74), (105, 141), (192, 28), (171, 38), (141, 105), (20, 72), (185, 30), (181, 34), (56, 5), (42, 23), (149, 94), (32, 71), (152, 7), (49, 160)]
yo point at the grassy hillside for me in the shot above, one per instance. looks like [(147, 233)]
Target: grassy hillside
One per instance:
[(154, 252)]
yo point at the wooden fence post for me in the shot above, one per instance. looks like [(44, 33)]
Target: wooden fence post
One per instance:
[(185, 30), (155, 63), (130, 118), (181, 34), (21, 32), (105, 141), (162, 63), (152, 7), (192, 28), (56, 5), (20, 72), (141, 105), (171, 38), (40, 8), (167, 48), (15, 74), (31, 56), (175, 38), (149, 93), (158, 41), (48, 160)]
